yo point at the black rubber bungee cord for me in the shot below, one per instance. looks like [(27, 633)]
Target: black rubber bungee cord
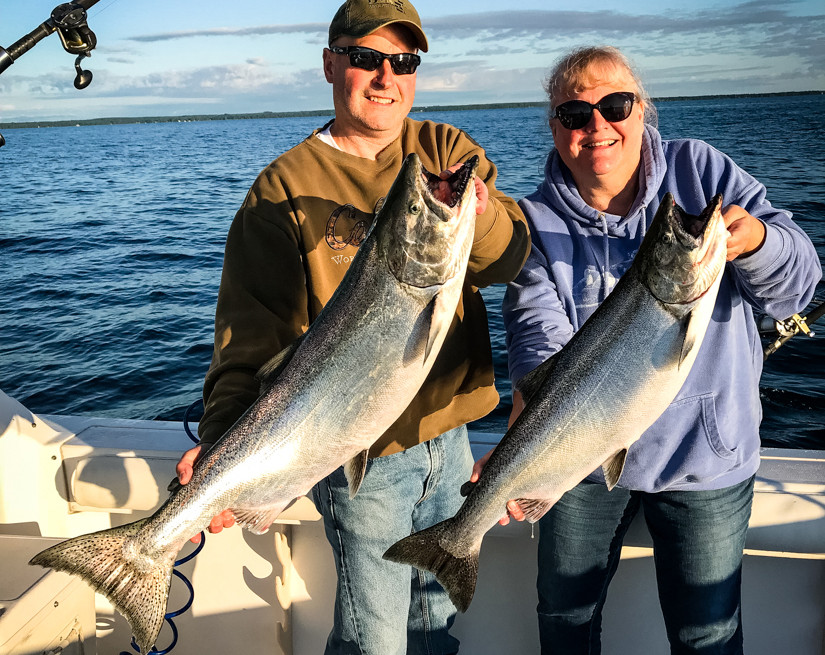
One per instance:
[(172, 615)]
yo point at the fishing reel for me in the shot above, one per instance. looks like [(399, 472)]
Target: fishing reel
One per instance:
[(69, 20), (780, 332), (77, 38)]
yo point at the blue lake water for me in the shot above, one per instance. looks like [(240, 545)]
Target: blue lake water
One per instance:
[(111, 244)]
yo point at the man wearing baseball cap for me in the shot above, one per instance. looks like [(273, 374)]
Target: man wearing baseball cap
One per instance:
[(289, 247)]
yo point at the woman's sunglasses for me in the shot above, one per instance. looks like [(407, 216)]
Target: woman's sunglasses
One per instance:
[(368, 59), (614, 108)]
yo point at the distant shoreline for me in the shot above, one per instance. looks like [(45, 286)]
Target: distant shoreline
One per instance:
[(125, 120)]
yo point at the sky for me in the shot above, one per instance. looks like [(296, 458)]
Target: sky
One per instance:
[(179, 57)]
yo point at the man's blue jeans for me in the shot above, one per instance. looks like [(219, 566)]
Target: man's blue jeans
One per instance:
[(384, 608), (698, 538)]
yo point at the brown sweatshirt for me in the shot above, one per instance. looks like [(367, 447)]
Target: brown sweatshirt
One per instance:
[(290, 245)]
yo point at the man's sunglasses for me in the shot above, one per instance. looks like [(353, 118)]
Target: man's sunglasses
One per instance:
[(368, 59), (614, 108)]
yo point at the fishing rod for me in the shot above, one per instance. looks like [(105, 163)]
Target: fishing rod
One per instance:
[(69, 20), (790, 327)]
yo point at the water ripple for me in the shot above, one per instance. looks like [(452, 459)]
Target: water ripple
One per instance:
[(110, 273)]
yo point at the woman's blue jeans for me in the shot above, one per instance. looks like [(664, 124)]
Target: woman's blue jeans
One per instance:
[(698, 539), (384, 608)]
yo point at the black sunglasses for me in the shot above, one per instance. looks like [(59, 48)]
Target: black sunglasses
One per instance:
[(614, 108), (368, 59)]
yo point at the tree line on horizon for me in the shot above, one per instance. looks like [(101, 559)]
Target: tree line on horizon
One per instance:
[(123, 120)]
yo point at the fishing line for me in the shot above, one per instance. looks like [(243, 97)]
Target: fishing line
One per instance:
[(104, 8)]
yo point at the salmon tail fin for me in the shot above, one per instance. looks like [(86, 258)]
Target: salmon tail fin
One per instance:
[(138, 589), (425, 550)]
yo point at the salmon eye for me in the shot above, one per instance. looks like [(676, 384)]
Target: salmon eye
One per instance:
[(415, 208)]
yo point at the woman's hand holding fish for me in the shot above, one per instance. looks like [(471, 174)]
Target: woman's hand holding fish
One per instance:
[(747, 233)]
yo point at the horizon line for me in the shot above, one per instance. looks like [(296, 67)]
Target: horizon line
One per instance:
[(124, 120)]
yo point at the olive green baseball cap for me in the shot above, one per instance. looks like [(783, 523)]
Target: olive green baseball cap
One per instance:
[(358, 18)]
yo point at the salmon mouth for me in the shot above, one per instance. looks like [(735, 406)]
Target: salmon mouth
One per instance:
[(696, 226), (451, 190)]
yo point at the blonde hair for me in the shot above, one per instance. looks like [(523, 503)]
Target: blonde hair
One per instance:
[(584, 68)]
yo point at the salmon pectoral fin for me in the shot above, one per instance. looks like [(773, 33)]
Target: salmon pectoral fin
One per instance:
[(613, 468), (694, 329), (430, 326), (355, 470), (439, 323)]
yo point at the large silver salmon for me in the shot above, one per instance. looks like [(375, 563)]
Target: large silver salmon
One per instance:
[(325, 400), (588, 403)]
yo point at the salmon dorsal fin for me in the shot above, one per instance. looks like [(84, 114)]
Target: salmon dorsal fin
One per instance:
[(613, 468), (270, 371), (355, 470), (531, 383), (466, 488)]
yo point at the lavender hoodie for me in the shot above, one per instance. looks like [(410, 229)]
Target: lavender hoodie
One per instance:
[(708, 438)]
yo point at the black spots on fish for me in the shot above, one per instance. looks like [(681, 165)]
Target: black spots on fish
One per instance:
[(138, 587)]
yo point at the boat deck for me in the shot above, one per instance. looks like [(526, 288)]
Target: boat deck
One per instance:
[(64, 476)]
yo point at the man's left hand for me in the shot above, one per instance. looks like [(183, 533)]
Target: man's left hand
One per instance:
[(482, 194)]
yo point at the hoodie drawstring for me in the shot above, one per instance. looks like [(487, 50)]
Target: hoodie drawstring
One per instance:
[(606, 284), (606, 265), (644, 223)]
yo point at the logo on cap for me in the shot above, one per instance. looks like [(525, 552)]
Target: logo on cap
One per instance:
[(398, 4)]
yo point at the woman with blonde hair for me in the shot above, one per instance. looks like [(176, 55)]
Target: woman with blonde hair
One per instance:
[(693, 470)]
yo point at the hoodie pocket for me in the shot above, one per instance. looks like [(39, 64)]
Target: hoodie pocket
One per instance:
[(682, 448), (707, 415)]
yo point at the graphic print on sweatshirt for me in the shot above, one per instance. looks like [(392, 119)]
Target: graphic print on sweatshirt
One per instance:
[(347, 226), (593, 287)]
